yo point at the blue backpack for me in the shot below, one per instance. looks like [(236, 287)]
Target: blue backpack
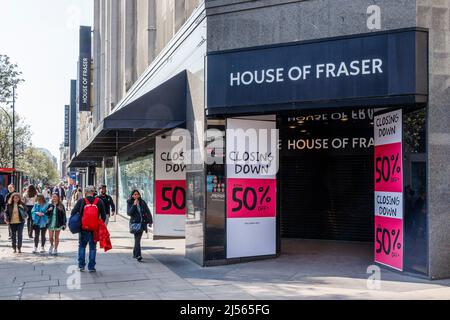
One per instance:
[(75, 223)]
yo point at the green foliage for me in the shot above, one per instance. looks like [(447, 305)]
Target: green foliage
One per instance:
[(23, 138), (9, 78), (38, 165), (31, 161)]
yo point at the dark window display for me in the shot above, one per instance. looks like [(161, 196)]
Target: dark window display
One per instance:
[(137, 173), (415, 192), (326, 174)]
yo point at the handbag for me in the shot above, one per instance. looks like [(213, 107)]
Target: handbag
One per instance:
[(75, 223), (135, 227), (23, 213)]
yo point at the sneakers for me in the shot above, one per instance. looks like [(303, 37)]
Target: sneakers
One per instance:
[(139, 258), (42, 250), (35, 250), (50, 251), (92, 270), (55, 252), (81, 269)]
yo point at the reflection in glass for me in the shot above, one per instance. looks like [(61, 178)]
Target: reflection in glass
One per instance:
[(136, 174), (415, 196)]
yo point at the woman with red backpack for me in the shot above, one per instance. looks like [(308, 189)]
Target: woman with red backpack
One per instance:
[(56, 214)]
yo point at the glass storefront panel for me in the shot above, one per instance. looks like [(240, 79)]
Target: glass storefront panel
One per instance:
[(136, 173), (415, 191)]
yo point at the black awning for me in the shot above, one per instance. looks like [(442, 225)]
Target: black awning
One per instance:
[(158, 110), (161, 107)]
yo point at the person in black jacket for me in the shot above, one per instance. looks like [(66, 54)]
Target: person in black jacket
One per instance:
[(86, 237), (15, 218), (2, 203), (139, 212), (57, 221), (110, 207), (11, 190)]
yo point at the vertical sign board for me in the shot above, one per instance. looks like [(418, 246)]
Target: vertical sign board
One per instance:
[(170, 188), (66, 125), (84, 69), (389, 189), (251, 207)]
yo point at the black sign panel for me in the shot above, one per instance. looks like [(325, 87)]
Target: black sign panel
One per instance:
[(84, 72), (66, 125), (377, 65)]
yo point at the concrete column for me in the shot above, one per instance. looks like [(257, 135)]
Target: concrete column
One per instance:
[(142, 39), (179, 14), (434, 15), (151, 30), (108, 50), (114, 54), (103, 84), (96, 58), (129, 43)]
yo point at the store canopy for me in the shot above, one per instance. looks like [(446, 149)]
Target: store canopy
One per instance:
[(158, 110)]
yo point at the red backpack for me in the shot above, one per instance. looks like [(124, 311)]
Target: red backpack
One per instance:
[(89, 222)]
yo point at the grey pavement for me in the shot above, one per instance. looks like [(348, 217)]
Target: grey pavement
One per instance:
[(306, 269)]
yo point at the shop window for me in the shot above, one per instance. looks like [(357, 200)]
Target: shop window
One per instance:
[(136, 173), (415, 195)]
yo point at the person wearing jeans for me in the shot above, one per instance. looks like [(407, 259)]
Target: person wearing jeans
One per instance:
[(15, 218), (40, 221), (29, 198), (139, 212), (87, 237)]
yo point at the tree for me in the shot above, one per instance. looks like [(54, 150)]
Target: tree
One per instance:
[(9, 78), (38, 165), (23, 138)]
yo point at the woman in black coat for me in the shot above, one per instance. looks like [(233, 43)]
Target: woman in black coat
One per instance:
[(15, 217), (139, 214)]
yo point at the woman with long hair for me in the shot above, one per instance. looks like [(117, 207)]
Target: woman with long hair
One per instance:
[(40, 221), (15, 217), (29, 198), (140, 217), (57, 220)]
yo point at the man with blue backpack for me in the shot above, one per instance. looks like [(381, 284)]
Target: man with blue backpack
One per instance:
[(84, 220)]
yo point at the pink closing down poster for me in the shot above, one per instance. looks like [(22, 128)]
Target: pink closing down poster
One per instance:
[(388, 167), (251, 198), (389, 241), (170, 197)]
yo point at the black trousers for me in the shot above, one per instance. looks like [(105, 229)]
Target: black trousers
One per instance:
[(17, 235), (39, 232), (137, 244), (30, 222)]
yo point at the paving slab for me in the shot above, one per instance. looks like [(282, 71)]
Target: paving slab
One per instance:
[(305, 270)]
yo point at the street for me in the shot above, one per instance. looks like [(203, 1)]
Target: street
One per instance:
[(166, 274)]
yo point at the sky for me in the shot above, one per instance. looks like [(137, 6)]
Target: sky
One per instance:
[(41, 36)]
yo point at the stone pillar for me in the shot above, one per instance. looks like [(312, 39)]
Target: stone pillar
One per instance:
[(435, 16), (129, 43)]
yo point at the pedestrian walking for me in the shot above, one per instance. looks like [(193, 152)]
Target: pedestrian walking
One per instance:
[(77, 194), (11, 190), (90, 209), (140, 217), (110, 207), (29, 198), (40, 221), (16, 215), (69, 197), (57, 221), (59, 190), (46, 193)]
